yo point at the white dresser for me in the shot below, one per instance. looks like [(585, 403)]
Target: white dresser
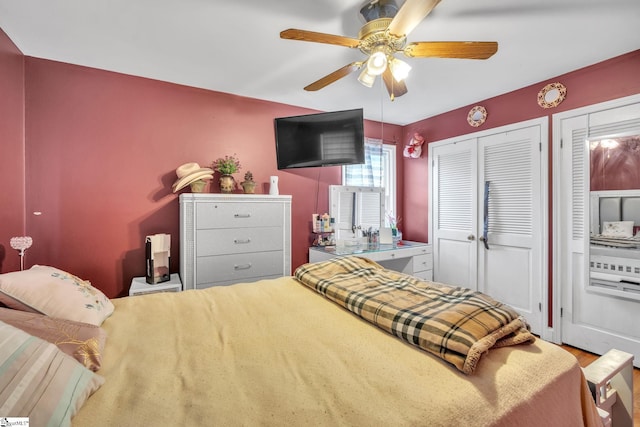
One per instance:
[(411, 258), (233, 238)]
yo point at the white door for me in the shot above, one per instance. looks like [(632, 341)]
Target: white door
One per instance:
[(512, 269), (592, 318), (510, 215), (454, 239)]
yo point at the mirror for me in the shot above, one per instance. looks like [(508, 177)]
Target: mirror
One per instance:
[(614, 174), (614, 163), (477, 116), (552, 95)]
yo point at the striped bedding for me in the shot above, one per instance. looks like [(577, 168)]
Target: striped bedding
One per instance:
[(455, 324), (39, 381)]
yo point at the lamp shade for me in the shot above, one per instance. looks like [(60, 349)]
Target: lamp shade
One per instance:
[(366, 79), (377, 63), (399, 69)]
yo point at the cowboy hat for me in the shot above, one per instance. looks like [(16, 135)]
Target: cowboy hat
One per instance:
[(190, 172)]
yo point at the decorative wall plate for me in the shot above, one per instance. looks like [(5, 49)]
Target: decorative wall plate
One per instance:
[(552, 95), (477, 116)]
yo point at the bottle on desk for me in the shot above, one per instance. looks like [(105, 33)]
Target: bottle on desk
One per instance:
[(396, 237)]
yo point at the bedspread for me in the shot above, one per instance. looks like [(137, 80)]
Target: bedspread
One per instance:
[(454, 323), (277, 353)]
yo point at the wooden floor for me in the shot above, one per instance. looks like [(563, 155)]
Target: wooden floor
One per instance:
[(584, 358)]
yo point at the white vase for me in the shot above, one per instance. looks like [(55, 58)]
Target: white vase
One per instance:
[(273, 186)]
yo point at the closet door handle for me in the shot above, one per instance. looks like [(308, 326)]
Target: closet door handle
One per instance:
[(485, 232), (471, 237)]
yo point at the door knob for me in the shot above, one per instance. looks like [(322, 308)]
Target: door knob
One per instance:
[(471, 237), (481, 238)]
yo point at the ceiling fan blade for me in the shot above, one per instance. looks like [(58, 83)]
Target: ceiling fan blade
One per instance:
[(335, 76), (311, 36), (394, 87), (411, 13), (463, 50)]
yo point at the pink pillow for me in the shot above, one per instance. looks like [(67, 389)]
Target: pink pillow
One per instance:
[(82, 341)]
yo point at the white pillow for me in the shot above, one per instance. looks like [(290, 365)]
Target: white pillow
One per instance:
[(617, 229), (56, 293)]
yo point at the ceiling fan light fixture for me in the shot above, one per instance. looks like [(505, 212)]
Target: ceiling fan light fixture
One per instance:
[(377, 63), (366, 78), (399, 69)]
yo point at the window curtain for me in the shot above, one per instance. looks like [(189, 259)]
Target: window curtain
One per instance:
[(368, 174)]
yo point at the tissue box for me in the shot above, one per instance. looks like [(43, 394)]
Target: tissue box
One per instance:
[(158, 254)]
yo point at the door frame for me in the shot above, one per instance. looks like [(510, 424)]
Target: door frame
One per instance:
[(557, 172), (543, 122)]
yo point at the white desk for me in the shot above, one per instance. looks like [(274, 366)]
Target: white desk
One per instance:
[(139, 286), (411, 257)]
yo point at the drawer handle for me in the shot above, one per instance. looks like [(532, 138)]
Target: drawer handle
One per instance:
[(242, 266), (242, 216), (241, 241)]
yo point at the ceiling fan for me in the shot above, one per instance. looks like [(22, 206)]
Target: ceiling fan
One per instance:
[(382, 36)]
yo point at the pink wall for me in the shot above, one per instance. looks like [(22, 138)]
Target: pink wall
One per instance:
[(102, 149), (12, 221), (611, 79), (615, 78)]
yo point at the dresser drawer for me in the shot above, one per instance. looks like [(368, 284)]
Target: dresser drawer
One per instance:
[(237, 267), (219, 241), (233, 282), (236, 215), (422, 263), (424, 275)]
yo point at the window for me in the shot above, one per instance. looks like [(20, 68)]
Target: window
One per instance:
[(379, 170)]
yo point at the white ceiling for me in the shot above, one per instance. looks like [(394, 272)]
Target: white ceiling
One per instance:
[(233, 46)]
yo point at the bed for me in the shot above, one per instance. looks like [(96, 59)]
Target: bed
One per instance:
[(283, 352)]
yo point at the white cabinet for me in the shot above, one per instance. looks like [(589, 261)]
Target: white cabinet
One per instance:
[(410, 258), (139, 286), (233, 238)]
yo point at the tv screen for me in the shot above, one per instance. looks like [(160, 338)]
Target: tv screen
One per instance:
[(323, 139)]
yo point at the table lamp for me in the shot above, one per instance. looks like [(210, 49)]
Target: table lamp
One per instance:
[(21, 244)]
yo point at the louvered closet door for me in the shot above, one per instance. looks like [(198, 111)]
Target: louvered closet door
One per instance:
[(454, 179), (509, 192)]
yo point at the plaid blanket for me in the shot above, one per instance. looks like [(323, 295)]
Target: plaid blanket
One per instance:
[(453, 323)]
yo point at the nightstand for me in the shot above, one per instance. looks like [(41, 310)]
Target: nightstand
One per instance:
[(139, 286)]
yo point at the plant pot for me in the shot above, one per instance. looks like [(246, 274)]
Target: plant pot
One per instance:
[(198, 186), (249, 187), (227, 184)]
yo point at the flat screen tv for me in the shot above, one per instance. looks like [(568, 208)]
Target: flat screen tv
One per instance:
[(323, 139)]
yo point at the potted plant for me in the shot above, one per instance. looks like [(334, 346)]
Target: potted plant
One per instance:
[(226, 166), (249, 185)]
